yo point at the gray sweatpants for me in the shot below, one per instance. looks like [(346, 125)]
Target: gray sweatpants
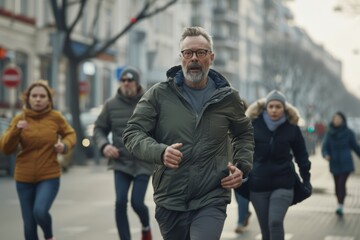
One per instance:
[(271, 208), (204, 223)]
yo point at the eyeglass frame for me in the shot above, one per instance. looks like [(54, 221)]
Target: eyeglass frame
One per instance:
[(196, 53)]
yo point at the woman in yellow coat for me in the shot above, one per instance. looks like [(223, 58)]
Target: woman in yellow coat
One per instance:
[(41, 133)]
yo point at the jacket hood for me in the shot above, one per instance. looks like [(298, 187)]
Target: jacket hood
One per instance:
[(258, 107), (176, 73)]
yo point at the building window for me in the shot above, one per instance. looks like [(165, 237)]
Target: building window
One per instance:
[(84, 21), (24, 5), (45, 67), (106, 84), (108, 18), (22, 63)]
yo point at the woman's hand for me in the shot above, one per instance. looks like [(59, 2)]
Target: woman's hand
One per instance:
[(22, 124), (59, 147)]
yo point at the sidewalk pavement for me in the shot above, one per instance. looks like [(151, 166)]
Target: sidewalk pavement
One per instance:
[(314, 218), (84, 209)]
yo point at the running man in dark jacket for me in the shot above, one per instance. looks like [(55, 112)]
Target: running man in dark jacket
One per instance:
[(127, 168), (183, 126)]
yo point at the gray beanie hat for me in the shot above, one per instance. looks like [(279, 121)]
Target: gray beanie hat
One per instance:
[(130, 73), (276, 95)]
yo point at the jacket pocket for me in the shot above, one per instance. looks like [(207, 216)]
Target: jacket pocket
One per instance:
[(158, 174)]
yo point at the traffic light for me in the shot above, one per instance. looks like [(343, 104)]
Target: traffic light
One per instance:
[(2, 53), (311, 129)]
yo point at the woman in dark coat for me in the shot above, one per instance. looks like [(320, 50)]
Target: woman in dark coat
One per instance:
[(278, 139), (337, 146)]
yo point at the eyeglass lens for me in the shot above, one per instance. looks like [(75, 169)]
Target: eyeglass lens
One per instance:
[(200, 53)]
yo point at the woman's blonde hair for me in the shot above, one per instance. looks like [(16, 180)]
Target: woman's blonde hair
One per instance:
[(38, 83)]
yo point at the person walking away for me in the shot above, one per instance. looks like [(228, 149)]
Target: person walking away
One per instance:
[(128, 170), (42, 133), (243, 213), (278, 140), (337, 146), (182, 126)]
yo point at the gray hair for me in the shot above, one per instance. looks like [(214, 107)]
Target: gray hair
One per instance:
[(194, 32)]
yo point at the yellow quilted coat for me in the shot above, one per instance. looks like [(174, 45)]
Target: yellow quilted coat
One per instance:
[(37, 158)]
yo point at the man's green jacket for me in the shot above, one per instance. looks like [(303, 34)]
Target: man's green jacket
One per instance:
[(164, 117)]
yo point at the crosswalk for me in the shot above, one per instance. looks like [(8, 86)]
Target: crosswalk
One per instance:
[(288, 236)]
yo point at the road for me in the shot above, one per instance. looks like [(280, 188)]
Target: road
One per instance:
[(84, 209)]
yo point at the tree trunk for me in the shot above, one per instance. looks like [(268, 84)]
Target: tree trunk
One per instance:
[(79, 154)]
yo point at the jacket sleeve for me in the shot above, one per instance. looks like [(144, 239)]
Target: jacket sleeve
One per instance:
[(301, 155), (67, 133), (325, 146), (102, 128), (140, 127), (242, 137), (10, 140), (354, 145)]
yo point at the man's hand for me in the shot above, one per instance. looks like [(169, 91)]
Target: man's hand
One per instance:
[(172, 156), (234, 180), (110, 151)]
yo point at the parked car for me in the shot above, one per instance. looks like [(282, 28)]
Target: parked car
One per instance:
[(7, 162)]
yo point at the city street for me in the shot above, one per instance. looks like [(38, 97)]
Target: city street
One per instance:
[(84, 209)]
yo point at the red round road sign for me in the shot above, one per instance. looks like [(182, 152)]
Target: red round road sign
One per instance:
[(11, 76)]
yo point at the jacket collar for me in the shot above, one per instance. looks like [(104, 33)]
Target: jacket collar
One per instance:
[(175, 73), (258, 107)]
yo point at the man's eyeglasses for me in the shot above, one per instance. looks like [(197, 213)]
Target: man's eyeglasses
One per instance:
[(200, 53), (127, 80)]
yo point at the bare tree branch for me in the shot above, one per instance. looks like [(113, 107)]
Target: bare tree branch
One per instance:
[(79, 15), (96, 19)]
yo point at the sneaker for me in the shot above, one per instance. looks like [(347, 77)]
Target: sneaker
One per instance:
[(240, 229), (246, 221), (146, 235), (339, 212)]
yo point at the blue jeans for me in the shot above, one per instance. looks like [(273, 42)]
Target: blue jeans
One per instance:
[(122, 185), (35, 201), (243, 208)]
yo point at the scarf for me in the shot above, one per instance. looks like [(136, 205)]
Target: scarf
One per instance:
[(273, 124)]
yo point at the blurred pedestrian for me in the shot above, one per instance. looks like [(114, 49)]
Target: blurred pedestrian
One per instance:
[(243, 205), (128, 170), (243, 213), (278, 139), (337, 146), (42, 133), (182, 126)]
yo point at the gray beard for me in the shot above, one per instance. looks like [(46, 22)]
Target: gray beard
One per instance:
[(128, 92), (195, 77)]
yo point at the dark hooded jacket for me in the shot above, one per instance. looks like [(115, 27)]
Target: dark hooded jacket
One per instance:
[(338, 144), (164, 117), (273, 166), (113, 118)]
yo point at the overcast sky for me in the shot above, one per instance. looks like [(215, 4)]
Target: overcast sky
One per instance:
[(338, 32)]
